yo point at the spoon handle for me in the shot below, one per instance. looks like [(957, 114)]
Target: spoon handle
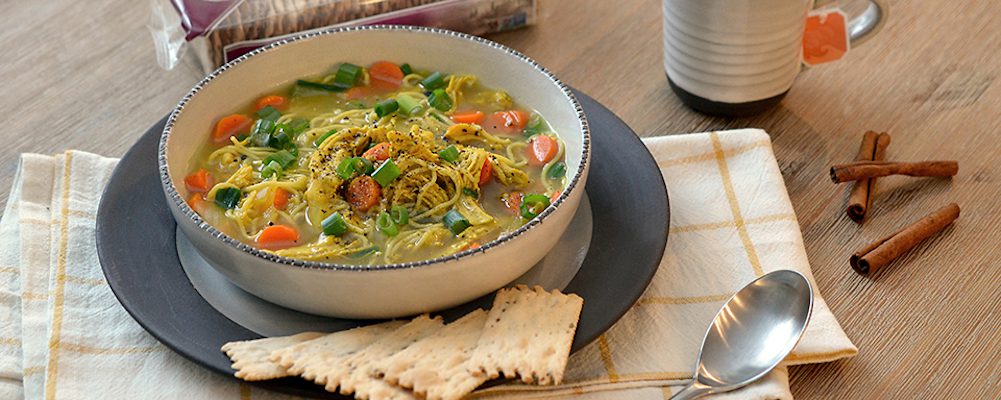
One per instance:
[(693, 390)]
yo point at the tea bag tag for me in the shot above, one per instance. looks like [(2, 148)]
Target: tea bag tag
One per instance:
[(825, 37)]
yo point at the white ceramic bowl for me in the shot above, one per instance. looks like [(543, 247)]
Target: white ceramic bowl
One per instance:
[(380, 291)]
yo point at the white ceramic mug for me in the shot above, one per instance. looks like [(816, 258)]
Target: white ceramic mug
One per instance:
[(740, 57)]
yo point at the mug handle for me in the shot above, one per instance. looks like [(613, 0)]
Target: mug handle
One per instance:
[(864, 25)]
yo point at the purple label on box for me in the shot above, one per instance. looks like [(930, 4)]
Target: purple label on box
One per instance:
[(198, 16), (477, 17)]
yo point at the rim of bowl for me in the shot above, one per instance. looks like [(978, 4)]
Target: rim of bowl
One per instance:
[(193, 216)]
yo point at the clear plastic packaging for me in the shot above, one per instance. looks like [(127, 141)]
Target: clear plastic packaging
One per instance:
[(216, 31)]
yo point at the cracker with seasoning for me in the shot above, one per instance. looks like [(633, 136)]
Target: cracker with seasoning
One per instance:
[(528, 334)]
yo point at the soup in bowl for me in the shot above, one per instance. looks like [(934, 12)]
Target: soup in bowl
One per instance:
[(376, 164), (415, 170)]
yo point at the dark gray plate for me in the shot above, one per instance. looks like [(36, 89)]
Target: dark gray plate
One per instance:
[(137, 249)]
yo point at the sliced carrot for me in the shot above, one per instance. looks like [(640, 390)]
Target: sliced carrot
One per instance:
[(486, 172), (506, 122), (379, 152), (359, 92), (554, 196), (542, 149), (278, 237), (519, 119), (385, 75), (470, 246), (279, 103), (364, 193), (281, 199), (469, 117), (512, 201), (197, 203), (231, 125), (199, 182)]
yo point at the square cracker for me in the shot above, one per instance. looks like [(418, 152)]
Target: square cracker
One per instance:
[(355, 375), (436, 367), (528, 333), (313, 358), (377, 389), (250, 357)]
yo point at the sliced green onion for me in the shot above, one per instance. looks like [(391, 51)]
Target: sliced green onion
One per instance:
[(364, 252), (263, 126), (271, 168), (228, 198), (440, 100), (363, 166), (386, 225), (334, 225), (280, 141), (261, 133), (386, 173), (399, 215), (318, 85), (346, 169), (350, 70), (455, 222), (409, 105), (471, 193), (299, 125), (269, 113), (450, 154), (324, 137), (386, 107), (260, 139), (347, 75), (282, 128), (535, 126), (284, 158), (407, 69), (557, 171), (533, 204), (349, 167), (281, 138), (433, 81)]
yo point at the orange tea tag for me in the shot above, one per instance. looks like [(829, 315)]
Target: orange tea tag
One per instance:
[(825, 37)]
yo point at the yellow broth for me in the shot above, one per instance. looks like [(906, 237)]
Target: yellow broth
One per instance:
[(277, 185)]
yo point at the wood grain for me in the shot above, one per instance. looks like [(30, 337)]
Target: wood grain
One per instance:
[(82, 75)]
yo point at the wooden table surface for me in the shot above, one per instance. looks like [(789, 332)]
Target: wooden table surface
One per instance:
[(81, 75)]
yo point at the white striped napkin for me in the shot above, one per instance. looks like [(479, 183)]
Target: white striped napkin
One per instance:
[(63, 334), (731, 221)]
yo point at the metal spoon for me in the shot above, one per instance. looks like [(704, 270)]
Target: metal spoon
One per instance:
[(753, 332)]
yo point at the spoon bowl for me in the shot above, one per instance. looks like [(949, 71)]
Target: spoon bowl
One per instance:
[(753, 332)]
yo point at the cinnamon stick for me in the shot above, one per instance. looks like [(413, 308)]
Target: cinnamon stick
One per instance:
[(860, 189), (881, 252), (873, 148), (873, 169)]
